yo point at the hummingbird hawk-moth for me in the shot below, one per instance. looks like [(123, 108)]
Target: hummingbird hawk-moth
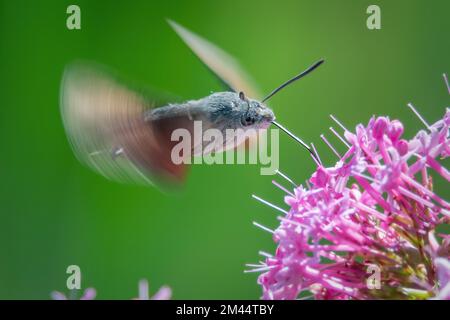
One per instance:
[(126, 136)]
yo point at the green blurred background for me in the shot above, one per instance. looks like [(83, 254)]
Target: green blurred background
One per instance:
[(54, 212)]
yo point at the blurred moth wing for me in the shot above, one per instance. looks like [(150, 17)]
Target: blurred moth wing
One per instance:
[(225, 67), (106, 127)]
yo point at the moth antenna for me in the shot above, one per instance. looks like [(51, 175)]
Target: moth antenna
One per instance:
[(296, 139), (301, 75)]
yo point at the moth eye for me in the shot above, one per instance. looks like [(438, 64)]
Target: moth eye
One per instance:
[(248, 120)]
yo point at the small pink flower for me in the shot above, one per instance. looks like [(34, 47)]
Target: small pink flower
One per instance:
[(443, 273), (164, 293), (88, 294)]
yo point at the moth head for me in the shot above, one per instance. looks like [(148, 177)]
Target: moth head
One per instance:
[(254, 113)]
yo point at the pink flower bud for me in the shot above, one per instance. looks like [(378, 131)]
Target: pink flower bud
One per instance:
[(379, 127), (402, 147), (395, 130)]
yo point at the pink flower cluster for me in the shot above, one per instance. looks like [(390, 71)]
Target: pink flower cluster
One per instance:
[(366, 228)]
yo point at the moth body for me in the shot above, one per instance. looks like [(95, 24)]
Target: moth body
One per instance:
[(221, 110)]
